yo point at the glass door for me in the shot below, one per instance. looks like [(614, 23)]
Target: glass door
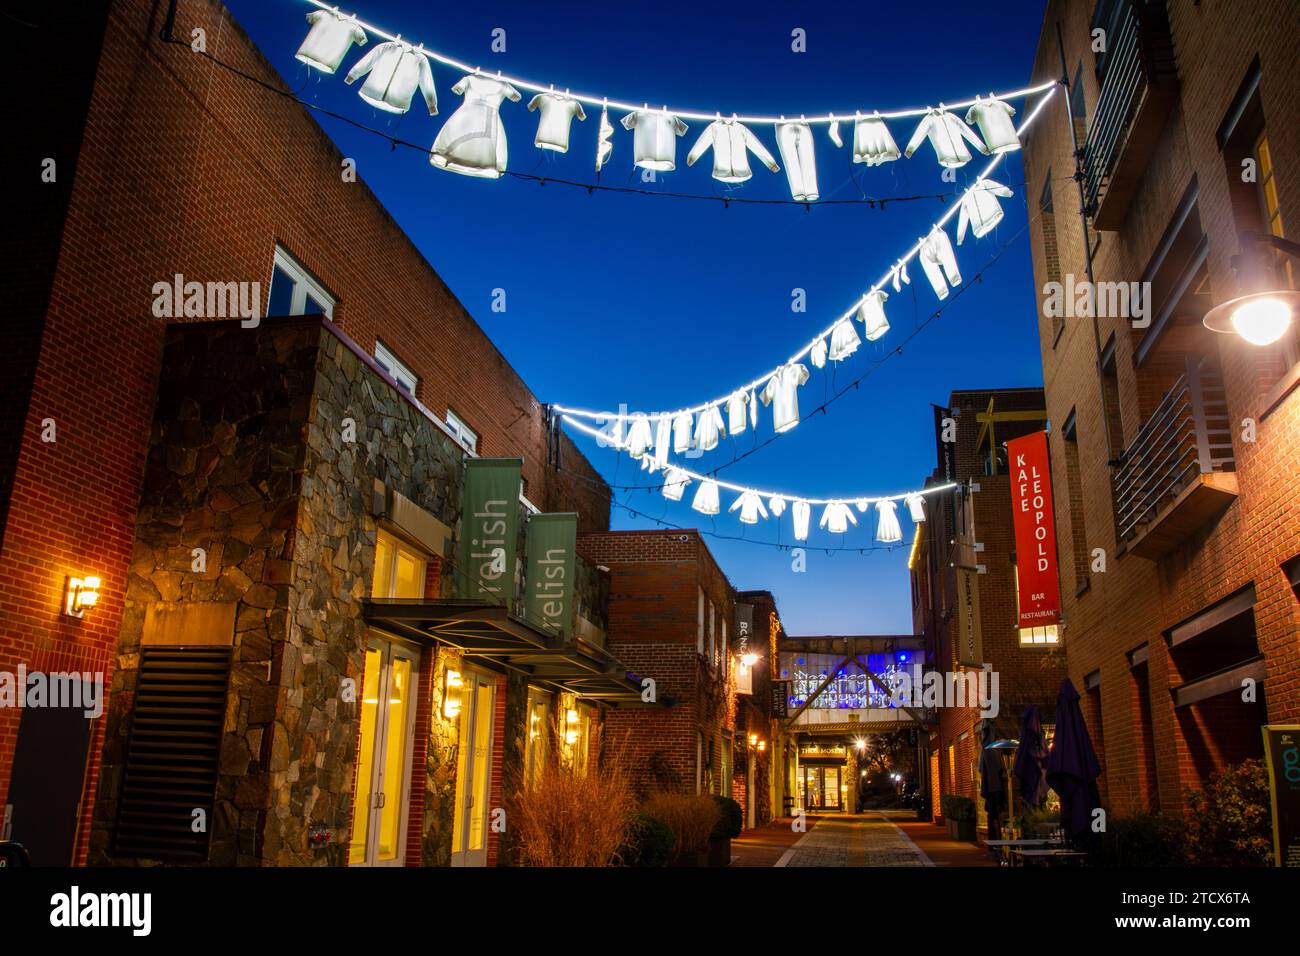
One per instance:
[(474, 771), (384, 757)]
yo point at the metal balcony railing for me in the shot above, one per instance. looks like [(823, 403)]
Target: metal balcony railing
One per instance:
[(1138, 55), (1187, 436)]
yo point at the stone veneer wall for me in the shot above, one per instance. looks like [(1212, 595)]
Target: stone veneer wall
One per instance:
[(248, 459)]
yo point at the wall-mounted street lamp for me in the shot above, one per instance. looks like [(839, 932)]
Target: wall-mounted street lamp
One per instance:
[(451, 694), (753, 740), (1263, 313), (82, 595), (762, 746)]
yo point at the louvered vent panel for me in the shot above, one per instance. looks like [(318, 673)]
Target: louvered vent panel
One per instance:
[(171, 762)]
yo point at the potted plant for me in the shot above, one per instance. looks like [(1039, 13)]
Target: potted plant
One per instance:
[(731, 820), (959, 815)]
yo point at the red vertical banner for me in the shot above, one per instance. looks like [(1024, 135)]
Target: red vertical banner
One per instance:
[(1031, 515)]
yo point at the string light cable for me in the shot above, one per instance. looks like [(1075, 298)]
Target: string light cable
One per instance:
[(849, 386), (697, 115), (743, 489), (621, 416)]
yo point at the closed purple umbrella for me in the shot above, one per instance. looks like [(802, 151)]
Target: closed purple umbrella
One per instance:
[(1072, 767), (1030, 767)]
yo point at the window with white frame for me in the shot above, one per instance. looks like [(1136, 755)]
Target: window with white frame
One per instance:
[(400, 372), (713, 623), (294, 290), (467, 437)]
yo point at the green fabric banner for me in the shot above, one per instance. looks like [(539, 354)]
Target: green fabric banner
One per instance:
[(548, 581), (489, 530)]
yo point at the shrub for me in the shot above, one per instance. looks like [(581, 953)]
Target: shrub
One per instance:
[(1230, 822), (650, 843), (956, 807), (731, 819), (1038, 822), (1146, 839), (691, 818), (570, 819)]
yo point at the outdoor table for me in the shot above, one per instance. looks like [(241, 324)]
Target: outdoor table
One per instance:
[(1049, 857), (1004, 848)]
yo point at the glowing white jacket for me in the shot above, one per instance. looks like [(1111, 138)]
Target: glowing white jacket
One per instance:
[(836, 517), (782, 393), (980, 209), (708, 428), (396, 69), (946, 133), (751, 507), (732, 142), (331, 36)]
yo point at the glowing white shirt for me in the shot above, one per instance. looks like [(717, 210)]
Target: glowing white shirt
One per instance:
[(708, 428), (732, 143), (663, 440), (782, 393), (395, 70), (675, 482), (776, 504), (915, 505), (639, 437), (331, 36), (948, 135), (682, 426), (993, 117), (558, 112), (871, 312), (655, 144)]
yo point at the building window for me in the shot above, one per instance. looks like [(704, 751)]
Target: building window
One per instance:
[(535, 750), (1048, 635), (713, 620), (1110, 386), (401, 374), (467, 437), (399, 569), (294, 290), (1074, 490), (699, 637)]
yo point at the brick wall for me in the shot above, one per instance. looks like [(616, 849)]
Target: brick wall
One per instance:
[(183, 167), (655, 578), (1136, 601)]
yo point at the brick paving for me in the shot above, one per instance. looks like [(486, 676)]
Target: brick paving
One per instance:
[(854, 840)]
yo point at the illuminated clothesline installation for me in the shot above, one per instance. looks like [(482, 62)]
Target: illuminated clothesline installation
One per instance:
[(755, 504), (977, 209), (473, 141)]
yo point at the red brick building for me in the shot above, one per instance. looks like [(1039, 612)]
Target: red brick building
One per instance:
[(673, 615), (964, 584), (159, 163), (1173, 448)]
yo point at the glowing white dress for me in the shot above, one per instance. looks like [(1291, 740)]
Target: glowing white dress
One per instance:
[(473, 141)]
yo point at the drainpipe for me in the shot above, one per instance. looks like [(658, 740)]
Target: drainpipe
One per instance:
[(1087, 246)]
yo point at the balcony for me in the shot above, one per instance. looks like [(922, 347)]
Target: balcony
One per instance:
[(1139, 85), (1179, 472)]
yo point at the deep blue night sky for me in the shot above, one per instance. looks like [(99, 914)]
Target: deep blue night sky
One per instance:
[(657, 302)]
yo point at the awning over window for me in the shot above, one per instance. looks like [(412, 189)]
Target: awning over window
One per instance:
[(488, 632)]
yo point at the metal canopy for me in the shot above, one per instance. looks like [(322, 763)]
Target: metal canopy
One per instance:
[(491, 634)]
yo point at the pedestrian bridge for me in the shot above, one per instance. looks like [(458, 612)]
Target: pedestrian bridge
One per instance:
[(842, 685)]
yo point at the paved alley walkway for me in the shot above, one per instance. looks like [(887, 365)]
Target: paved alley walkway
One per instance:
[(854, 840)]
